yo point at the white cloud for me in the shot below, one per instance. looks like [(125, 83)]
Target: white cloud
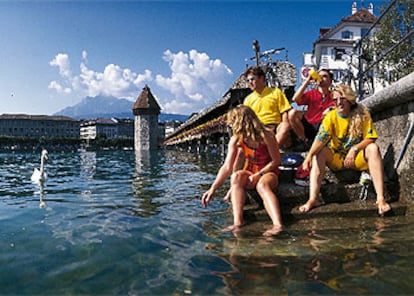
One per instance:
[(62, 61), (58, 88), (196, 81), (113, 81)]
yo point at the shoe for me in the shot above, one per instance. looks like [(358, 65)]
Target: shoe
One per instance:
[(365, 178), (302, 176), (302, 182), (301, 173)]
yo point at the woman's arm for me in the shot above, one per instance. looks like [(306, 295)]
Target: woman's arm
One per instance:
[(317, 146), (224, 171), (349, 160), (273, 149)]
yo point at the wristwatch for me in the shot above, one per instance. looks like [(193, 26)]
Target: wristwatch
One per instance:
[(261, 173), (355, 148)]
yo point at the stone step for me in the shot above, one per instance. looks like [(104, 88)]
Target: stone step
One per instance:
[(351, 209), (340, 193), (340, 200)]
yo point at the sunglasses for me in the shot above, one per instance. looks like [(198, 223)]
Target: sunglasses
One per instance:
[(324, 76), (251, 79)]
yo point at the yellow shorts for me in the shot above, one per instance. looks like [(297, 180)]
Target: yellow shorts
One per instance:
[(360, 162)]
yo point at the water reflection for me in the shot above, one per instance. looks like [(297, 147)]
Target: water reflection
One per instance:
[(41, 192), (88, 164), (145, 183), (319, 256), (143, 161), (118, 223), (376, 239)]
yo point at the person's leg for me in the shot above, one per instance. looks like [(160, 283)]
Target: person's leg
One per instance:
[(311, 130), (282, 135), (295, 121), (316, 176), (238, 165), (376, 170), (238, 197), (265, 188)]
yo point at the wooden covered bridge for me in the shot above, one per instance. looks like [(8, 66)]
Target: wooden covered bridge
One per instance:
[(207, 130)]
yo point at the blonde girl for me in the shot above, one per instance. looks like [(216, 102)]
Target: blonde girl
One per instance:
[(260, 171)]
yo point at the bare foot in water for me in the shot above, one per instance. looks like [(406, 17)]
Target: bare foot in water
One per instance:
[(232, 228), (383, 207), (275, 230), (310, 204)]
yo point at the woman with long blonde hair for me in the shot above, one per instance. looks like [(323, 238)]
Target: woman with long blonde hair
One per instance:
[(260, 172), (346, 139)]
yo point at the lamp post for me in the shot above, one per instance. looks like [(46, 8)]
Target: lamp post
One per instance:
[(256, 48)]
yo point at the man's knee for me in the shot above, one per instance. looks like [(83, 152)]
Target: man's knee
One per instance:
[(283, 127), (292, 113)]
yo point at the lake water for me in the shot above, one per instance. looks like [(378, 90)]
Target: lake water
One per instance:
[(132, 224)]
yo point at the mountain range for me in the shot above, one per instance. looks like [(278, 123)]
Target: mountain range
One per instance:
[(108, 107)]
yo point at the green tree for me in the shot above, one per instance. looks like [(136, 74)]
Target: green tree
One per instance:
[(396, 24)]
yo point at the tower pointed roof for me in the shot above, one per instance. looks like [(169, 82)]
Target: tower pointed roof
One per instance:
[(146, 103)]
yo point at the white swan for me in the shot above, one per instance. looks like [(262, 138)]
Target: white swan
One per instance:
[(39, 176)]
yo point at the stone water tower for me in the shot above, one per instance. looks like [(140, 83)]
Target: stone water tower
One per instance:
[(146, 111)]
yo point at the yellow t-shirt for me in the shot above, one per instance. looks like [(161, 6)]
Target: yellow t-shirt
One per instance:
[(269, 105), (334, 132)]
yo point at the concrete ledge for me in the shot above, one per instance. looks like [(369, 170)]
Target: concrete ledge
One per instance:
[(399, 93)]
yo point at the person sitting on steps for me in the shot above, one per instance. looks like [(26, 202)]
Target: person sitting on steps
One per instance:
[(346, 139), (260, 172), (271, 107), (318, 101), (270, 104)]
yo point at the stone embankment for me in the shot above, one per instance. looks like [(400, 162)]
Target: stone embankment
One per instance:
[(392, 110), (340, 195)]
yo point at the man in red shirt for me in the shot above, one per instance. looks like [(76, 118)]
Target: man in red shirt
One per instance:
[(318, 100)]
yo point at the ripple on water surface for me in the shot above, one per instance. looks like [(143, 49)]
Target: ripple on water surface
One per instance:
[(132, 223)]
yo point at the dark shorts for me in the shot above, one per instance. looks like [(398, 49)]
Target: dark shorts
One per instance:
[(273, 127), (310, 129)]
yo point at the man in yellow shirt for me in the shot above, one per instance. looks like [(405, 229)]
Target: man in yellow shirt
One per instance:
[(269, 104)]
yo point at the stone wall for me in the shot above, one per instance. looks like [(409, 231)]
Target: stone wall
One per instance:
[(146, 132), (392, 110)]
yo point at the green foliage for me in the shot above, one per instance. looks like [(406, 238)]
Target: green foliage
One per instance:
[(396, 23)]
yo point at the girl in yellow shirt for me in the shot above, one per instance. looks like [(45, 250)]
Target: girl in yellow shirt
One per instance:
[(346, 139)]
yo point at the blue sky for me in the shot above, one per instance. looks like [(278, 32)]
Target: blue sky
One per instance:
[(55, 53)]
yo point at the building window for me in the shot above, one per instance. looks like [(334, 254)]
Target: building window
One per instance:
[(347, 35), (339, 52), (363, 32)]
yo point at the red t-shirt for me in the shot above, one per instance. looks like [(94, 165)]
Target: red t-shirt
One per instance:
[(316, 106)]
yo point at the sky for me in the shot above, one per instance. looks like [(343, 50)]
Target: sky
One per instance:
[(55, 53)]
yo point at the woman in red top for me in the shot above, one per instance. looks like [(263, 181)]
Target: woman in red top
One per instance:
[(260, 171)]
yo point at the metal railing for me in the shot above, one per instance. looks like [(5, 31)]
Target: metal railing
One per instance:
[(365, 69)]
